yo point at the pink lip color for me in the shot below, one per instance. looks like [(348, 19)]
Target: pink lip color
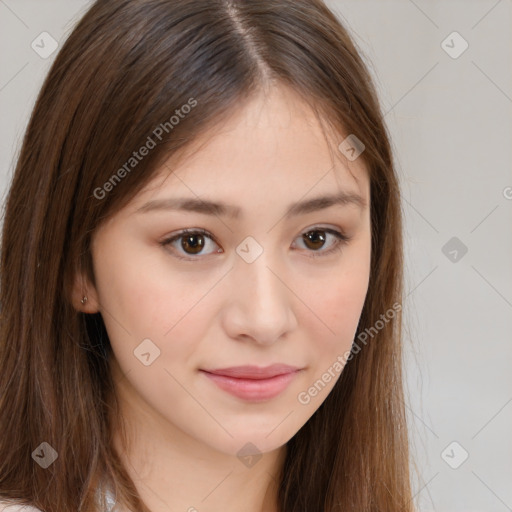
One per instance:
[(251, 383)]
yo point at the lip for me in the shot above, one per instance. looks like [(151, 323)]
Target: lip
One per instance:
[(253, 383)]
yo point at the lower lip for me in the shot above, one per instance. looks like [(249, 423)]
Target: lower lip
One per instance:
[(253, 390)]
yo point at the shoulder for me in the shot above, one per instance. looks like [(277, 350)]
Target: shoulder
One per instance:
[(9, 506)]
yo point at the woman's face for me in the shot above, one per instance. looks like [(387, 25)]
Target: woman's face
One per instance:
[(252, 291)]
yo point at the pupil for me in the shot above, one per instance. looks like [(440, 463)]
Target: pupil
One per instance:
[(310, 237), (188, 243)]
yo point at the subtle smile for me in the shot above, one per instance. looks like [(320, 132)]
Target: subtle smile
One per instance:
[(252, 383)]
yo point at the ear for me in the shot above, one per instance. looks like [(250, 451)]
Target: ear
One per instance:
[(82, 287)]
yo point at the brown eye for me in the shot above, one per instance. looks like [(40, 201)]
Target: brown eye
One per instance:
[(193, 243), (314, 239)]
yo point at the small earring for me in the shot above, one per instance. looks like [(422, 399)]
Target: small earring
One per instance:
[(84, 300)]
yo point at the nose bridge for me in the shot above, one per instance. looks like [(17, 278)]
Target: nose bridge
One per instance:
[(266, 290), (261, 302)]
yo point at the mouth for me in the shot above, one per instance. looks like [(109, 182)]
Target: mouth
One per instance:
[(252, 383)]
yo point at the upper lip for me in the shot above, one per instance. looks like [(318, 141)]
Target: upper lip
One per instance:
[(254, 372)]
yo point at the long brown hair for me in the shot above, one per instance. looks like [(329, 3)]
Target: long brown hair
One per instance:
[(122, 73)]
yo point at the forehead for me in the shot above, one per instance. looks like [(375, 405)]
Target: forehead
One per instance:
[(273, 146)]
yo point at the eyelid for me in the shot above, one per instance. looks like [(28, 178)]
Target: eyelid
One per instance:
[(341, 236)]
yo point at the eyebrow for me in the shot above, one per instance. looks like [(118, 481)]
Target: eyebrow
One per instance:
[(207, 207)]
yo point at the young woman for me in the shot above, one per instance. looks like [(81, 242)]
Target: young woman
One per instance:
[(201, 270)]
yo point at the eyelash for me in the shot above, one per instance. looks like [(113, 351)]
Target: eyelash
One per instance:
[(342, 240)]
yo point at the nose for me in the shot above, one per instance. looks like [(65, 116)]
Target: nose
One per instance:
[(260, 307)]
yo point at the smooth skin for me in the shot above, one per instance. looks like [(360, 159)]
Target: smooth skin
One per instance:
[(216, 310)]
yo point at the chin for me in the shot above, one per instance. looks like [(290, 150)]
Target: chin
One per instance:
[(251, 442)]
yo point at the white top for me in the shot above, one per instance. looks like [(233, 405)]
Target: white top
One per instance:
[(5, 505), (8, 506)]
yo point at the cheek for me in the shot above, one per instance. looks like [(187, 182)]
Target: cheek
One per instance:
[(347, 300), (338, 306), (337, 298), (140, 300), (132, 290), (127, 297)]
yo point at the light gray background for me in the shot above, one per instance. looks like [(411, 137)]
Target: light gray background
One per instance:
[(451, 125)]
